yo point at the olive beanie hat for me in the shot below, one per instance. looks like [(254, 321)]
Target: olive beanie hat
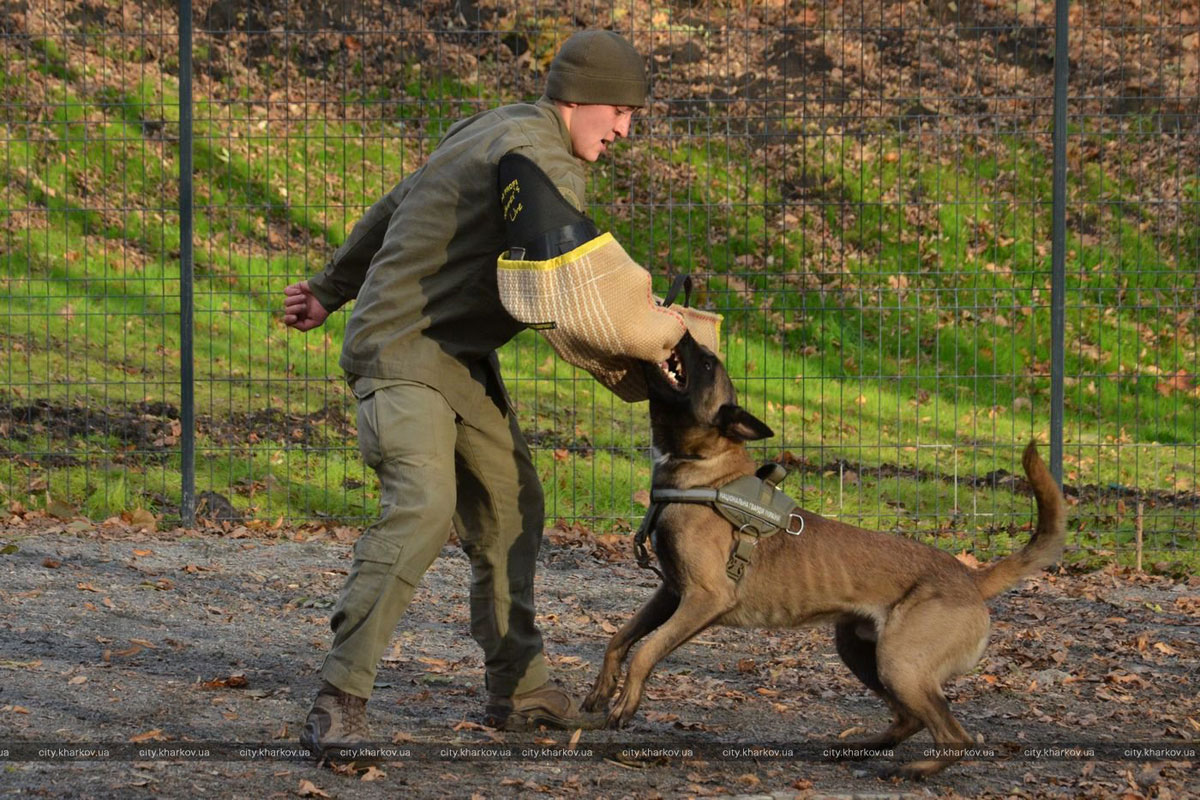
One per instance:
[(598, 67)]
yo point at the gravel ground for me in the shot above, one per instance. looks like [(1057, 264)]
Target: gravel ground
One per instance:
[(181, 664)]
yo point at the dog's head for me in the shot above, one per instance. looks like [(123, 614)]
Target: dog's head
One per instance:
[(693, 406)]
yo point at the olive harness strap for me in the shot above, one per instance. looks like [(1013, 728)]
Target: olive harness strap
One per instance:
[(753, 504)]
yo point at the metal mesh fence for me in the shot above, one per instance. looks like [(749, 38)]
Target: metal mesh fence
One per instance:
[(863, 189), (89, 321)]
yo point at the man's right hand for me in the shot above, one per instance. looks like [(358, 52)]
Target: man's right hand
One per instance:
[(301, 309)]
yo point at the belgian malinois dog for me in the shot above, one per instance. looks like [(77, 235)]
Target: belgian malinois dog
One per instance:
[(908, 616)]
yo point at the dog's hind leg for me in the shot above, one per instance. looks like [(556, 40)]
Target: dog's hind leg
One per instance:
[(698, 608), (657, 610), (922, 646), (858, 652), (926, 702)]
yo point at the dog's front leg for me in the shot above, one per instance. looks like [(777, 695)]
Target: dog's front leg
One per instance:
[(658, 609), (697, 609)]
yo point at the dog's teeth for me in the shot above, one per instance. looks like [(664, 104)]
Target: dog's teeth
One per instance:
[(672, 370)]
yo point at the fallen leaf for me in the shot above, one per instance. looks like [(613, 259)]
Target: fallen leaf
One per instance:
[(309, 789), (435, 664), (153, 735), (234, 681), (1178, 382), (373, 774), (141, 518), (465, 725), (57, 508), (126, 653), (968, 559)]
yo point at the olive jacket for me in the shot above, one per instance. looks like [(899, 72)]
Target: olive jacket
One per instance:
[(421, 263)]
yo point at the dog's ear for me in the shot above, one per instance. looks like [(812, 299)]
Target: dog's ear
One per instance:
[(740, 425)]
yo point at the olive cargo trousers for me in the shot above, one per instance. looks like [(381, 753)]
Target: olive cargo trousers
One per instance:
[(434, 467)]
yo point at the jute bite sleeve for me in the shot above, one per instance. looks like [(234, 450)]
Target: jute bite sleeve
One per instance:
[(595, 307), (590, 300)]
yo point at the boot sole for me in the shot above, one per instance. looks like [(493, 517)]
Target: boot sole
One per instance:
[(337, 753), (532, 720)]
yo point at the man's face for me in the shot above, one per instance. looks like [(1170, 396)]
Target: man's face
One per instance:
[(594, 127)]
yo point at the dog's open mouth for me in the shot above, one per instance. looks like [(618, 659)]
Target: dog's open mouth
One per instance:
[(672, 369)]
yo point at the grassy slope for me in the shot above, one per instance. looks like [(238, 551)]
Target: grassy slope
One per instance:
[(923, 342)]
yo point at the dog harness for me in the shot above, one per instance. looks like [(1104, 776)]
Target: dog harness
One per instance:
[(753, 504)]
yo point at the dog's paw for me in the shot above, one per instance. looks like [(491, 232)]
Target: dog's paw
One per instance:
[(594, 702), (619, 716)]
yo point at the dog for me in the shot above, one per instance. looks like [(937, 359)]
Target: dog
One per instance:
[(908, 617)]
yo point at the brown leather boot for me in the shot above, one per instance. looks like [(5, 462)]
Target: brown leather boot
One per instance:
[(336, 725), (546, 705)]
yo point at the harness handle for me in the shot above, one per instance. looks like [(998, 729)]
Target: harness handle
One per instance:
[(771, 472), (684, 282)]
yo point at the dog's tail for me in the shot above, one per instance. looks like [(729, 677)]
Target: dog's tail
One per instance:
[(1048, 538)]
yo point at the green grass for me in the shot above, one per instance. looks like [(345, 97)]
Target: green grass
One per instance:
[(885, 306)]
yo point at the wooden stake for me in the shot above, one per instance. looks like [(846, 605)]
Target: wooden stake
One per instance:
[(1138, 529)]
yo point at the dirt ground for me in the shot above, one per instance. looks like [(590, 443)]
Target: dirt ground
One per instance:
[(181, 663)]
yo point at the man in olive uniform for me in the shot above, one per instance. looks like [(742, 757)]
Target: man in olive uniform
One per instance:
[(434, 420)]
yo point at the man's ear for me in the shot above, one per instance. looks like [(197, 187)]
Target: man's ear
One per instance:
[(738, 424)]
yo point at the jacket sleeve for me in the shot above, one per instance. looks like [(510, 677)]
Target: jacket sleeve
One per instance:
[(343, 276)]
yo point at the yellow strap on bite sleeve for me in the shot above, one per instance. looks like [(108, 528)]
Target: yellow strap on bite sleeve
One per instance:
[(595, 307)]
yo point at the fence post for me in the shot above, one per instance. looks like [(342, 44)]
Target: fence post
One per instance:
[(187, 398), (1058, 270)]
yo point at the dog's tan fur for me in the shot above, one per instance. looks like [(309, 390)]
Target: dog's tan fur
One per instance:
[(908, 616)]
